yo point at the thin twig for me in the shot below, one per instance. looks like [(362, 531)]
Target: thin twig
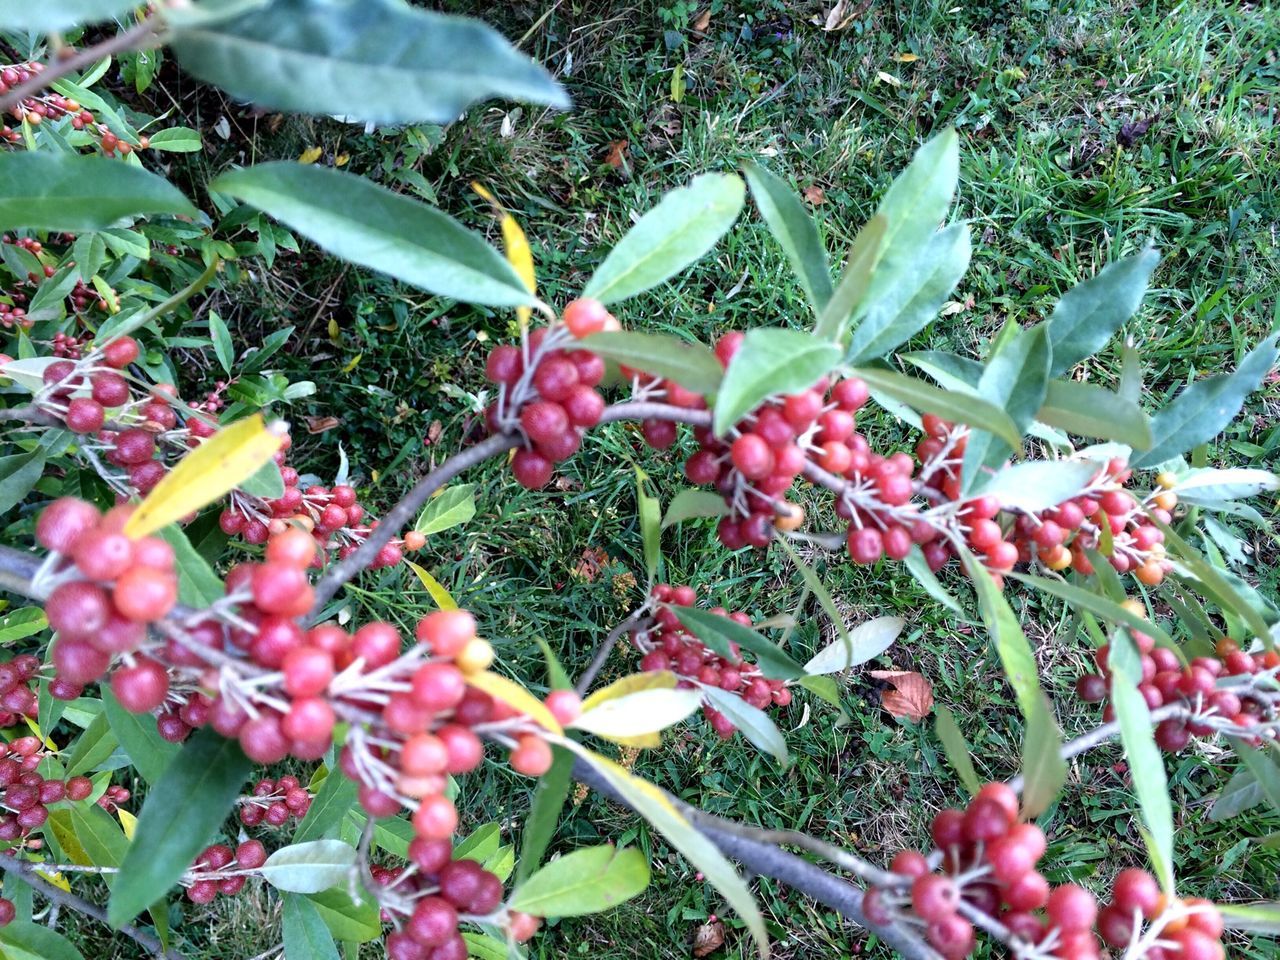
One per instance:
[(606, 647), (27, 871)]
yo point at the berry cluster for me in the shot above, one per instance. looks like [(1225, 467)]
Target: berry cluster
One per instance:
[(1187, 930), (113, 797), (1166, 680), (26, 793), (67, 346), (426, 900), (667, 645), (17, 698), (49, 107), (275, 802), (222, 870), (110, 590), (548, 390)]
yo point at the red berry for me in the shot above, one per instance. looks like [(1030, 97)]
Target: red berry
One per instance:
[(1071, 908), (752, 456), (121, 352), (142, 687), (63, 522), (909, 863), (531, 757), (934, 897), (865, 545), (436, 818), (585, 316), (531, 469), (544, 420), (85, 415), (438, 686), (145, 594), (1135, 889)]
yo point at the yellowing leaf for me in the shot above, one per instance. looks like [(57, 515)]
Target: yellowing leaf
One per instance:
[(351, 364), (657, 680), (906, 58), (515, 696), (438, 593), (335, 331), (57, 879), (65, 833), (128, 822), (341, 159), (519, 254), (216, 467), (35, 728), (310, 155), (639, 714)]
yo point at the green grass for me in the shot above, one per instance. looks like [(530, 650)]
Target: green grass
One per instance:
[(1040, 93)]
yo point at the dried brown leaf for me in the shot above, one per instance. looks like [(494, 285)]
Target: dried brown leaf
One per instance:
[(911, 695), (709, 938)]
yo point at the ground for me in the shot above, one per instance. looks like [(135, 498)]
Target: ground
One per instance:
[(1087, 130)]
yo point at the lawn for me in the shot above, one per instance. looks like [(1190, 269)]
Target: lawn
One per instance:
[(1087, 130)]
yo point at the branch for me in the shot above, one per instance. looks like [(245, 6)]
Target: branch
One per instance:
[(27, 871), (30, 413), (606, 647), (768, 860), (137, 37)]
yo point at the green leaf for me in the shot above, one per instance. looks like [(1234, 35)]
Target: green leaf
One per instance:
[(1138, 738), (345, 919), (1202, 410), (1242, 792), (818, 589), (1209, 486), (1043, 769), (719, 632), (305, 935), (585, 881), (373, 227), (691, 504), (864, 642), (309, 867), (549, 795), (948, 404), (649, 511), (23, 940), (89, 250), (692, 365), (56, 16), (1264, 770), (380, 61), (451, 507), (656, 807), (684, 225), (266, 481), (1109, 610), (864, 255), (1092, 311), (893, 313), (795, 230), (956, 748), (221, 338), (825, 688), (43, 190), (182, 812), (1087, 410), (93, 746), (752, 722), (770, 361), (198, 585), (1254, 917), (330, 805), (481, 844), (147, 750), (919, 568), (1036, 485), (19, 473), (1015, 379), (100, 836), (176, 140), (639, 713), (950, 370), (20, 623)]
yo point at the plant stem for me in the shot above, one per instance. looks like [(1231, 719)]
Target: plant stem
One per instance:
[(602, 652)]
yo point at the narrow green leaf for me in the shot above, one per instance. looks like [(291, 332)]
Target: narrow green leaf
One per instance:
[(1015, 379), (182, 811), (149, 752), (1253, 917), (1083, 599), (1266, 773), (855, 281), (1242, 792), (795, 230), (23, 940), (309, 867), (221, 338), (718, 632), (585, 881), (20, 623), (92, 747), (47, 190), (770, 361), (305, 935), (1036, 485), (692, 365), (373, 227), (752, 722), (951, 405), (649, 511), (451, 507), (1043, 769), (198, 585), (948, 369), (1138, 737), (1207, 485), (1087, 410), (481, 844), (19, 473), (176, 140), (818, 589), (266, 481), (56, 16), (684, 225), (1202, 410), (691, 504), (864, 642), (1092, 311), (919, 568), (380, 61), (657, 808), (549, 796), (894, 313), (328, 808), (825, 688), (956, 747)]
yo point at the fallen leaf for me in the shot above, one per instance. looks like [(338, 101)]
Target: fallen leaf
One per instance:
[(616, 154), (815, 195), (701, 21), (311, 155), (434, 431), (906, 58), (1131, 133), (888, 78), (593, 561), (911, 696), (321, 424), (709, 938), (841, 16)]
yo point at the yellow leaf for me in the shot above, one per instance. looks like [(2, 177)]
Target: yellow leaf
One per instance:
[(35, 728), (657, 680), (128, 822), (351, 364), (888, 78), (57, 879), (341, 159), (65, 834), (311, 155), (906, 58), (515, 696), (216, 467), (335, 332), (438, 593), (519, 253)]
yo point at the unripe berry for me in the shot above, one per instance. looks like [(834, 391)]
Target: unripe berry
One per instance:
[(585, 316), (475, 656), (531, 757)]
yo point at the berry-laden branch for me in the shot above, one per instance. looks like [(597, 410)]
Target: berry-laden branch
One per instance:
[(29, 874)]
